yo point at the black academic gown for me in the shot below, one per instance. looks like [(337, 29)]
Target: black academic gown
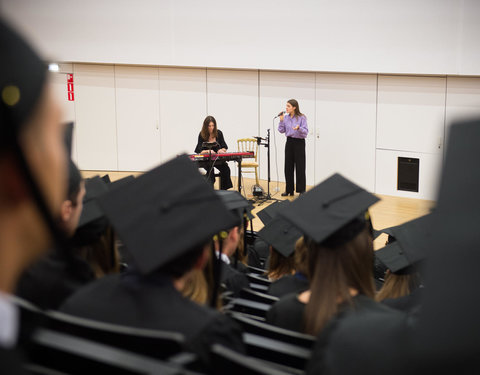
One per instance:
[(51, 280), (287, 313), (153, 303), (233, 279), (288, 284), (11, 362), (372, 339), (409, 303)]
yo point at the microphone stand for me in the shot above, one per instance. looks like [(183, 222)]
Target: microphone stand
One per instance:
[(266, 143)]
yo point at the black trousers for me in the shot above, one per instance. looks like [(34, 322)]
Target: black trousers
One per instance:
[(225, 180), (295, 160)]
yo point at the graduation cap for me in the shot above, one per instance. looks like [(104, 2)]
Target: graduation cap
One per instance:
[(407, 249), (164, 213), (281, 235), (94, 188), (121, 182), (106, 179), (377, 233), (332, 213), (236, 203), (268, 213)]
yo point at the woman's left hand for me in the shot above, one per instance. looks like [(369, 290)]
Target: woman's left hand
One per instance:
[(296, 127)]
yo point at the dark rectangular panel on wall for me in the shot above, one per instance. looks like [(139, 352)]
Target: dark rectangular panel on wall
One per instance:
[(407, 174)]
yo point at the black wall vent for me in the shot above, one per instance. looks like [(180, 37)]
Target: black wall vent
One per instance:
[(407, 176)]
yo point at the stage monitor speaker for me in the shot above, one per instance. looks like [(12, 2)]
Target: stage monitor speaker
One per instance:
[(407, 174)]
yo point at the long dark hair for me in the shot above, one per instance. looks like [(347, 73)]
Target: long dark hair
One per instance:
[(332, 272), (204, 133), (294, 104)]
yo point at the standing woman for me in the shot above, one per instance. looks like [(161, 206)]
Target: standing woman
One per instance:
[(210, 133), (295, 127)]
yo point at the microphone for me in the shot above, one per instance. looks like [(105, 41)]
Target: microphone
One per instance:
[(280, 114), (259, 139)]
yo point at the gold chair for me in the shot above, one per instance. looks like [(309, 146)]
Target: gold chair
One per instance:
[(249, 144)]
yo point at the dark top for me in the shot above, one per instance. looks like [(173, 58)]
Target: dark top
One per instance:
[(287, 313), (220, 141), (233, 279), (366, 338), (407, 303), (153, 303), (288, 284), (11, 362), (254, 258), (51, 280)]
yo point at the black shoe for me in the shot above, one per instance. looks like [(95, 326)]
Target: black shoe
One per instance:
[(302, 192), (286, 194)]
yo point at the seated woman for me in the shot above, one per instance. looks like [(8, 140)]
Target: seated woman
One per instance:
[(298, 282), (210, 133), (337, 231), (281, 237), (403, 283)]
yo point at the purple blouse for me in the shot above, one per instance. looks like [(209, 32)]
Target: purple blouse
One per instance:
[(286, 126)]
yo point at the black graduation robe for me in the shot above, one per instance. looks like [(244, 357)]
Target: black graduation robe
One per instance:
[(369, 340), (51, 280), (409, 303), (287, 313), (153, 303), (288, 284), (11, 362), (233, 279)]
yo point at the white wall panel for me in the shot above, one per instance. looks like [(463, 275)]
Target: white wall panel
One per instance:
[(411, 113), (183, 107), (372, 36), (345, 127), (138, 117), (275, 89), (232, 97), (429, 174), (96, 117), (463, 99)]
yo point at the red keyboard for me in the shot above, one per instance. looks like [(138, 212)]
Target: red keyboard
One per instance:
[(227, 156)]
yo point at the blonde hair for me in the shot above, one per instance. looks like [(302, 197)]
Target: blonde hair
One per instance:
[(196, 288)]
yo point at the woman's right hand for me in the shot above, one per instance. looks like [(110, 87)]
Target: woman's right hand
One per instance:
[(281, 117)]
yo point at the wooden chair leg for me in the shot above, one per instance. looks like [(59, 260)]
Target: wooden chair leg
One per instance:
[(256, 176)]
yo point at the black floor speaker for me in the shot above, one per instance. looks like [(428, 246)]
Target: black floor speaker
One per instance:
[(407, 176)]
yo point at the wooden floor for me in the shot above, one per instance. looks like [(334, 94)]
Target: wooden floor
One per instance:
[(389, 211)]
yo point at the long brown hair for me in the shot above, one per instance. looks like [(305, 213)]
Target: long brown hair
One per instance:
[(279, 265), (204, 133), (301, 256), (397, 286), (332, 272), (294, 104), (102, 254)]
